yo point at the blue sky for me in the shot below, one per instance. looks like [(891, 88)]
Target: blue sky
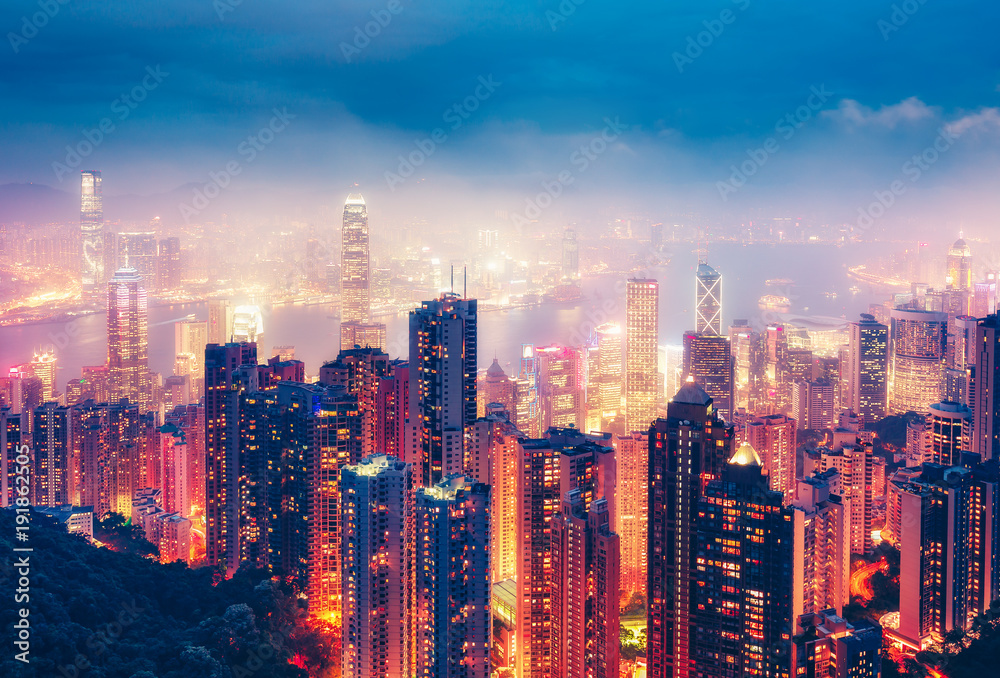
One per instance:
[(897, 73)]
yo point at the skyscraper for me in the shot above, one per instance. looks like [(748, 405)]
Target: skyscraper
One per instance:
[(585, 590), (376, 497), (220, 321), (169, 270), (442, 383), (222, 451), (708, 300), (452, 615), (960, 266), (570, 255), (43, 366), (986, 403), (12, 429), (605, 373), (918, 344), (51, 472), (867, 371), (774, 439), (742, 603), (631, 513), (560, 386), (822, 544), (92, 274), (949, 433), (495, 460), (128, 339), (356, 327), (708, 360), (687, 449), (642, 329), (495, 387), (138, 250)]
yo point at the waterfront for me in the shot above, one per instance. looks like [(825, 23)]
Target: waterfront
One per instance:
[(819, 272)]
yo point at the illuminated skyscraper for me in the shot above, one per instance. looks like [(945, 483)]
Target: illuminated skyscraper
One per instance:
[(220, 321), (917, 351), (222, 451), (12, 428), (813, 404), (853, 462), (708, 360), (169, 269), (708, 301), (43, 366), (631, 512), (494, 460), (742, 601), (138, 250), (867, 372), (606, 379), (51, 450), (960, 266), (585, 590), (642, 329), (248, 324), (774, 439), (355, 284), (376, 497), (687, 450), (92, 275), (829, 647), (495, 387), (561, 390), (128, 339), (949, 433), (442, 383), (452, 611), (986, 401), (822, 544)]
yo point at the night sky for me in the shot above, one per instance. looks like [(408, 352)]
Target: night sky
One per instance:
[(697, 87)]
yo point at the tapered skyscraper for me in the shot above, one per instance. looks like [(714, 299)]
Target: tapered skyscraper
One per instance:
[(128, 338), (708, 301), (91, 231), (355, 280)]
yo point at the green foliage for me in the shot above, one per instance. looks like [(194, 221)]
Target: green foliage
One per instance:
[(98, 613), (631, 646), (120, 534), (891, 431)]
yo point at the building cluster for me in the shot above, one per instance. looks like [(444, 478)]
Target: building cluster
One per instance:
[(456, 522)]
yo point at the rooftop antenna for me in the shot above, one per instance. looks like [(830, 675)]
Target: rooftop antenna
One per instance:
[(465, 282), (453, 278)]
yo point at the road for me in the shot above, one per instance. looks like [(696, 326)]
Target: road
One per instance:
[(861, 580)]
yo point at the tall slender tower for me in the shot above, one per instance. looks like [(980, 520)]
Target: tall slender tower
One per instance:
[(356, 328), (985, 402), (128, 338), (708, 361), (453, 621), (376, 498), (642, 324), (867, 371), (708, 301), (687, 450), (91, 231), (442, 383)]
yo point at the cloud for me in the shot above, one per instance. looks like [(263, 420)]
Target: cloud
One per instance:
[(859, 115), (987, 118)]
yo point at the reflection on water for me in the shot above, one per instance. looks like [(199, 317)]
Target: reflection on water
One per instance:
[(815, 270)]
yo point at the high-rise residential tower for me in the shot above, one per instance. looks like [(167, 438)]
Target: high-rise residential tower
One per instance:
[(442, 383), (376, 498), (687, 449), (642, 325), (128, 339), (452, 616), (570, 255), (92, 275), (708, 300), (985, 401), (708, 360)]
